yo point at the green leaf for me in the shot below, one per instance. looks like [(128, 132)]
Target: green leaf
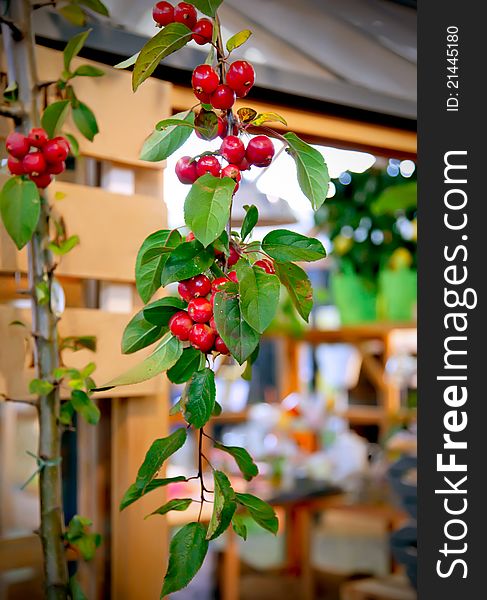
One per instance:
[(176, 408), (206, 122), (139, 334), (313, 177), (224, 506), (239, 526), (270, 117), (54, 116), (87, 545), (128, 62), (207, 207), (66, 413), (20, 208), (96, 6), (259, 295), (298, 285), (151, 259), (88, 71), (238, 39), (187, 260), (208, 7), (164, 357), (262, 513), (200, 398), (73, 47), (73, 14), (65, 246), (171, 38), (157, 454), (42, 293), (160, 311), (243, 459), (403, 196), (186, 555), (75, 589), (174, 122), (237, 334), (217, 410), (134, 493), (85, 406), (161, 144), (174, 504), (250, 221), (74, 146), (42, 387), (190, 361), (84, 120), (283, 246)]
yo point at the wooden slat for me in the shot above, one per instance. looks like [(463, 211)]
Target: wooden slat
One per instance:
[(16, 366), (330, 129), (20, 552), (125, 119), (111, 228)]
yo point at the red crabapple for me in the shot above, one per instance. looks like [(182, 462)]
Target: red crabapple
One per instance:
[(241, 77), (260, 151), (200, 310), (203, 32), (186, 170), (180, 325), (17, 144), (202, 337)]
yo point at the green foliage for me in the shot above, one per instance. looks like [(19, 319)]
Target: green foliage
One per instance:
[(162, 143), (298, 285), (84, 120), (208, 7), (262, 513), (238, 39), (85, 406), (186, 555), (187, 260), (237, 334), (73, 47), (400, 197), (78, 537), (160, 311), (207, 207), (151, 259), (128, 62), (243, 459), (283, 245), (270, 117), (259, 295), (206, 123), (239, 526), (312, 171), (134, 493), (75, 589), (140, 333), (41, 387), (157, 454), (171, 38), (224, 506), (63, 247), (54, 116), (178, 504), (190, 361), (199, 398), (250, 221), (164, 357), (20, 207)]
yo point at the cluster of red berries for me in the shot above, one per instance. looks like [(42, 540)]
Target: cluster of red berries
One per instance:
[(259, 152), (197, 324), (36, 156), (208, 88), (164, 13)]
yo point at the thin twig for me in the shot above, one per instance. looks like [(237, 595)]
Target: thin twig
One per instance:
[(19, 401), (44, 4)]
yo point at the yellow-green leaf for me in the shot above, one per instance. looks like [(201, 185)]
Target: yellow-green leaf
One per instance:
[(238, 39), (270, 117)]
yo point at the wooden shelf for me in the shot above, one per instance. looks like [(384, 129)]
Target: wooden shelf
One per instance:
[(230, 417)]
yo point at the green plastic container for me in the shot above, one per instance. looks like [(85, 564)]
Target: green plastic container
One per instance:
[(397, 295), (354, 297)]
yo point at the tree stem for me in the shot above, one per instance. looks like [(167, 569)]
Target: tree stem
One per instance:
[(21, 60)]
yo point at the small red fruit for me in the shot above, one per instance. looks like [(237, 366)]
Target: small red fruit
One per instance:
[(208, 164), (180, 325), (34, 163), (260, 151), (37, 137), (241, 77), (190, 237), (244, 165), (186, 170), (186, 14), (199, 285), (200, 310), (205, 79), (218, 284), (184, 290), (232, 171), (41, 181), (203, 32), (223, 97), (233, 276), (56, 150), (15, 166), (220, 346), (56, 168), (266, 265), (163, 13), (17, 144), (234, 256), (222, 127), (232, 149), (202, 337), (202, 97)]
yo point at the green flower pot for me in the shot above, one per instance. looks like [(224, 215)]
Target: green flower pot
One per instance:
[(355, 298), (397, 295)]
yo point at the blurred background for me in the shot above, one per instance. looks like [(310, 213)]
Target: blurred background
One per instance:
[(330, 413)]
